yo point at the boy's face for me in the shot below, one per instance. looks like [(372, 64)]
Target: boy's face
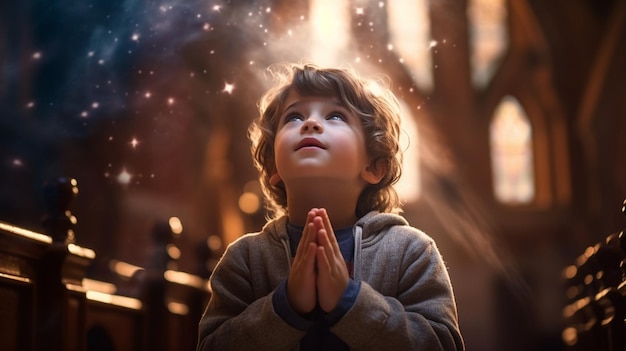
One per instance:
[(318, 137)]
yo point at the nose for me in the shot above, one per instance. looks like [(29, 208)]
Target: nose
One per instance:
[(312, 125)]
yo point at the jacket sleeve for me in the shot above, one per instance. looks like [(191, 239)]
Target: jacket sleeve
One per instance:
[(236, 319), (420, 315)]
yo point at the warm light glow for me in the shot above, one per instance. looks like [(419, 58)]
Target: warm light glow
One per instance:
[(81, 251), (409, 185), (124, 177), (570, 272), (249, 202), (124, 269), (15, 277), (215, 242), (100, 286), (176, 225), (183, 278), (178, 308), (173, 251), (570, 336), (330, 27), (25, 233), (228, 88), (409, 29), (512, 153), (117, 300), (488, 37)]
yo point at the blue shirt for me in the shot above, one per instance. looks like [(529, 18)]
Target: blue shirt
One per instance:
[(318, 323)]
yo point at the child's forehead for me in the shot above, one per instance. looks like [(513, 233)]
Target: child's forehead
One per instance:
[(294, 97)]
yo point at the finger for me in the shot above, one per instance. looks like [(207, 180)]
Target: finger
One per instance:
[(307, 232), (322, 262), (310, 258), (330, 232), (321, 234), (333, 259)]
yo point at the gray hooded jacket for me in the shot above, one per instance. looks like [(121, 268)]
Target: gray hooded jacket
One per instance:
[(405, 302)]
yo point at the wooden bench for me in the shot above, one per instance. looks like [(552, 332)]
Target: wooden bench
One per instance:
[(48, 303)]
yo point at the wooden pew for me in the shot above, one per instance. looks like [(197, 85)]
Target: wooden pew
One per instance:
[(21, 252), (112, 322), (596, 291), (48, 303)]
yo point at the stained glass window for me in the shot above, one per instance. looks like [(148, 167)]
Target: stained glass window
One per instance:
[(409, 29), (488, 37), (512, 153)]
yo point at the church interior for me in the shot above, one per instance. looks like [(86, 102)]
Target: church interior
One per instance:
[(126, 168)]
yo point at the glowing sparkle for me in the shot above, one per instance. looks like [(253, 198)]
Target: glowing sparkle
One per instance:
[(432, 44), (31, 104), (37, 55), (17, 162), (217, 8), (148, 94), (170, 101), (84, 114), (134, 142), (124, 177), (228, 88), (95, 104), (134, 37), (359, 11)]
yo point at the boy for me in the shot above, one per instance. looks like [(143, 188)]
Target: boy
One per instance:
[(336, 268)]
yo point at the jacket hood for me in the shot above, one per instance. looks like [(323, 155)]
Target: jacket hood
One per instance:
[(376, 222)]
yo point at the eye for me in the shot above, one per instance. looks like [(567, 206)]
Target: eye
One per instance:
[(293, 117), (336, 116)]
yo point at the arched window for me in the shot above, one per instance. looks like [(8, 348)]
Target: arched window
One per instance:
[(512, 153), (409, 29), (488, 37)]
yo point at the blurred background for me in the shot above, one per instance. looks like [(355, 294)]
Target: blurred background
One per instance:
[(514, 130)]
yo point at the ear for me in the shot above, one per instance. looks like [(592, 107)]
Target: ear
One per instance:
[(374, 172), (275, 179)]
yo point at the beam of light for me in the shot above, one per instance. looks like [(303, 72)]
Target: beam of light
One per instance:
[(330, 21), (409, 28), (409, 185)]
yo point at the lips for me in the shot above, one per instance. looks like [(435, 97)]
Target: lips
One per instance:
[(309, 142)]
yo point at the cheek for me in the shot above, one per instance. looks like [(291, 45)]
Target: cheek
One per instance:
[(279, 150)]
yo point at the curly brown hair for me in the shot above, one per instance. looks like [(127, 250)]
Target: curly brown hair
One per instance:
[(374, 103)]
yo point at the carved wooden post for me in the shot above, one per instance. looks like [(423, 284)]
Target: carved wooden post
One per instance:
[(21, 251), (173, 298), (60, 294)]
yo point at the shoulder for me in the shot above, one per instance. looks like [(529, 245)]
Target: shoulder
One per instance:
[(273, 230), (256, 244), (394, 228)]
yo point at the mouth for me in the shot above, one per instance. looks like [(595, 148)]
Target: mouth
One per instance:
[(309, 142)]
